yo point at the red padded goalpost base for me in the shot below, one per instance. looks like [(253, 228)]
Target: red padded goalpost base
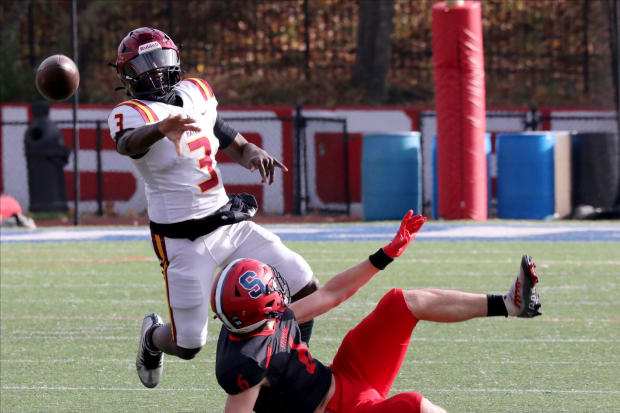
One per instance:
[(458, 59)]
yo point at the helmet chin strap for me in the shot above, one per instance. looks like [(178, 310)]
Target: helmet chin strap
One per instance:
[(168, 98), (249, 329), (273, 314)]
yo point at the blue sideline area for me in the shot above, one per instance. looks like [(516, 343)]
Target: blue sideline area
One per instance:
[(483, 232)]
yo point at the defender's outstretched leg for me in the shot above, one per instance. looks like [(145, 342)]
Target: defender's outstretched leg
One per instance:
[(448, 306)]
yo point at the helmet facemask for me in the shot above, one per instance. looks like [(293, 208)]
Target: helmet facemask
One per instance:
[(278, 285), (156, 84), (152, 75)]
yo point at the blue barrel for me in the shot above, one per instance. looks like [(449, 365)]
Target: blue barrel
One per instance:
[(391, 175), (525, 172), (487, 151)]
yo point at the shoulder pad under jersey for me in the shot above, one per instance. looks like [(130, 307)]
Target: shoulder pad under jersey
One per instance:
[(201, 86), (130, 114)]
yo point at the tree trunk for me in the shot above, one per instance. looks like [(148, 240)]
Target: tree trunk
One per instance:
[(373, 47)]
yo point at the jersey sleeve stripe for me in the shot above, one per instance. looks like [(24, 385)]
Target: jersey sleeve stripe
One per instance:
[(203, 86), (148, 114)]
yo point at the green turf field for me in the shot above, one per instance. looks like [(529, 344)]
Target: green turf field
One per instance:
[(71, 313)]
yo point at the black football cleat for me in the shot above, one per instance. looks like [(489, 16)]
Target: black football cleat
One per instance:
[(522, 299), (149, 364)]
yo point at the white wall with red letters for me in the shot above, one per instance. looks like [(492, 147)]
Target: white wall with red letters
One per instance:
[(123, 191)]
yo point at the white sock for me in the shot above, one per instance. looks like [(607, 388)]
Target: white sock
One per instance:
[(509, 300)]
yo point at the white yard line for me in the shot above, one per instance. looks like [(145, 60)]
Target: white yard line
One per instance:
[(444, 362), (63, 336), (474, 261), (350, 305), (68, 318), (433, 231), (203, 389), (324, 318), (93, 388), (512, 391), (77, 301)]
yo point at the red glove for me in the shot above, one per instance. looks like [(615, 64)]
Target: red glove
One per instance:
[(409, 227)]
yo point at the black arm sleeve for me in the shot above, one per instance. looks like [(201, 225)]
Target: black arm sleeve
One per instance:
[(118, 137), (223, 132), (121, 133)]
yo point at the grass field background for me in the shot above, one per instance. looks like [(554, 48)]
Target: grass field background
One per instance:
[(71, 312)]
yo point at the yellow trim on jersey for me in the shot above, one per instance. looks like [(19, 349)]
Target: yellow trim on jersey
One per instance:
[(206, 90), (146, 112)]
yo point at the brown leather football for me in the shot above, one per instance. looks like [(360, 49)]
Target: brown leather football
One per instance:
[(57, 78)]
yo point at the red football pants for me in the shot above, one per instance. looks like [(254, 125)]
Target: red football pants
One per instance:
[(369, 359)]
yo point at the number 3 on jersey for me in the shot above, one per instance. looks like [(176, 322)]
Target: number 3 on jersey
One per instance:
[(205, 162)]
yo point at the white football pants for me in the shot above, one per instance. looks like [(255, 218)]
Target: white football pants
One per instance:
[(189, 267)]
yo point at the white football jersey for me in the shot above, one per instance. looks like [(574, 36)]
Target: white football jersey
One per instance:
[(183, 187)]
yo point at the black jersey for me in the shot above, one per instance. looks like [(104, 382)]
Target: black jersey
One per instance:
[(296, 380)]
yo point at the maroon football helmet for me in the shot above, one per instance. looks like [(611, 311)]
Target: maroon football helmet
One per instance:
[(148, 64), (247, 293)]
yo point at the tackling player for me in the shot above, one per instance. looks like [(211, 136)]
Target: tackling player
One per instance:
[(171, 130), (260, 352)]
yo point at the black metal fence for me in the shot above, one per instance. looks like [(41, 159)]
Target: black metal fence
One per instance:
[(305, 197), (307, 183), (320, 160)]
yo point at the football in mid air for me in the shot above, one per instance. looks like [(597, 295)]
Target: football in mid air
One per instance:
[(57, 78)]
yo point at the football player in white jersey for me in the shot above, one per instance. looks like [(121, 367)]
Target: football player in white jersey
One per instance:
[(171, 130)]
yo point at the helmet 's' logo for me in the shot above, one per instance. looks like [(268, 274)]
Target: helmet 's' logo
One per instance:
[(148, 47), (255, 286)]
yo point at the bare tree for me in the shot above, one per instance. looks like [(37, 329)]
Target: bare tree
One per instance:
[(373, 47)]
